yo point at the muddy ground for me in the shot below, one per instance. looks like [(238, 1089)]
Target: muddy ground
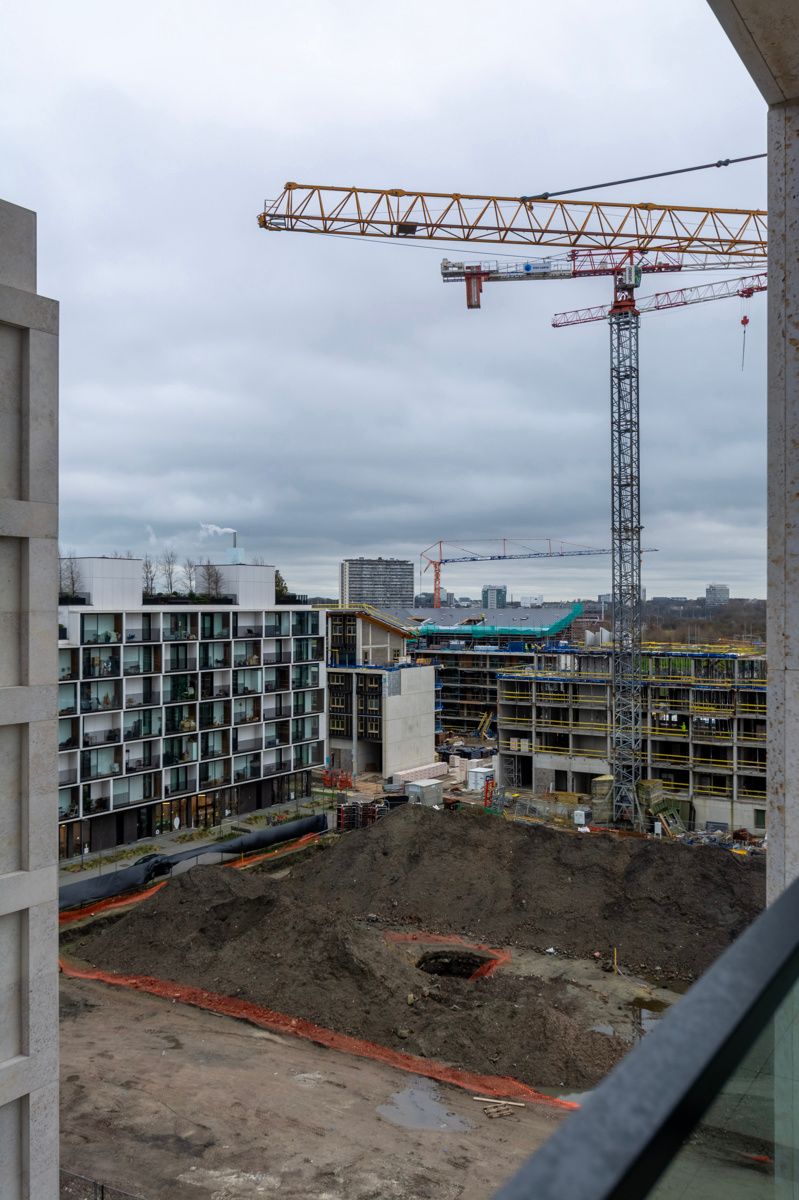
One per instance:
[(314, 944), (172, 1103)]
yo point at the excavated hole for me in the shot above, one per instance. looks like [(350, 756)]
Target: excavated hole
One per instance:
[(460, 963)]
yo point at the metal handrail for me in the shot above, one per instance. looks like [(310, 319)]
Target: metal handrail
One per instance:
[(630, 1128)]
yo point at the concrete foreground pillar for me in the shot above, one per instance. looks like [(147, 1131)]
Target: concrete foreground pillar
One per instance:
[(783, 496), (28, 724)]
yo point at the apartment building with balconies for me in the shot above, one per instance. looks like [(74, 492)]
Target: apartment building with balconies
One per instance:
[(704, 728), (174, 716)]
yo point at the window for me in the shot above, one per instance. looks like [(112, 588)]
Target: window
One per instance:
[(760, 818)]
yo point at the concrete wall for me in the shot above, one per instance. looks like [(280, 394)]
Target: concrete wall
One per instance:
[(28, 641), (111, 583), (408, 719), (376, 646)]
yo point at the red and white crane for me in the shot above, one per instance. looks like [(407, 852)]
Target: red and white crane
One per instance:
[(722, 289)]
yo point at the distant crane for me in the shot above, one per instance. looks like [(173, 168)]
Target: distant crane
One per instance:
[(632, 233), (436, 562)]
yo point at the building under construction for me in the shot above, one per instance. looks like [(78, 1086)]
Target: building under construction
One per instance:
[(469, 650), (704, 727)]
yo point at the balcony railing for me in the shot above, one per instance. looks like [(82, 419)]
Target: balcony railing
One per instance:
[(246, 747), (67, 777), (100, 737), (722, 1060), (146, 763), (275, 768)]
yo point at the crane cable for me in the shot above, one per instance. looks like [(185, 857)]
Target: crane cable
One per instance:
[(594, 187)]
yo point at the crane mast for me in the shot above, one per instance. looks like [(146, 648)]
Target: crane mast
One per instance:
[(625, 486)]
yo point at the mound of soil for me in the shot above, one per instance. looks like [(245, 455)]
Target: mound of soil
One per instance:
[(312, 945), (668, 908)]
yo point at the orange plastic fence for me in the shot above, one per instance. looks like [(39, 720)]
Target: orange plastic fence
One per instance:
[(495, 1086), (103, 906), (97, 907), (283, 848), (498, 957)]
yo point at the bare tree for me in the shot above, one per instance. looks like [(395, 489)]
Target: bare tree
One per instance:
[(210, 579), (69, 578), (190, 574), (148, 573), (119, 554), (168, 563)]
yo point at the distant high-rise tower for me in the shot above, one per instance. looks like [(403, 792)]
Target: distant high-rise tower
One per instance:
[(384, 582), (716, 594), (495, 595)]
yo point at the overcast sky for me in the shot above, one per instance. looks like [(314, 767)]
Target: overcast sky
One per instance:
[(331, 398)]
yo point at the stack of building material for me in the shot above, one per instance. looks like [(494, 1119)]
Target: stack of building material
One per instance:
[(431, 771), (601, 797)]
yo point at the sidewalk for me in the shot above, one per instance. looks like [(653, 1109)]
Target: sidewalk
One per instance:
[(169, 843)]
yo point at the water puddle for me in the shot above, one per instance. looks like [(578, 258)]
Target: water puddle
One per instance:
[(418, 1107), (647, 1011)]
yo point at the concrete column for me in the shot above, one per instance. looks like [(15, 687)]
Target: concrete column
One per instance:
[(783, 497), (28, 741)]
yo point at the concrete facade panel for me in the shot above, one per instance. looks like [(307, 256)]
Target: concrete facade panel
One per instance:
[(39, 440), (17, 247), (11, 785), (40, 631), (11, 1001), (10, 614), (11, 369)]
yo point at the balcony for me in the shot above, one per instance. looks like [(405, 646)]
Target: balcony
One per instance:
[(67, 777), (96, 764), (68, 804), (99, 629), (147, 631), (214, 657), (179, 781), (100, 737), (214, 626), (94, 704), (67, 664), (215, 774), (275, 768), (142, 762), (179, 689), (248, 741), (214, 745), (247, 767), (179, 629), (144, 699)]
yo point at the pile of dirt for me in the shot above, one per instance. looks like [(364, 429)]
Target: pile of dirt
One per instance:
[(208, 929), (313, 945), (669, 909)]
